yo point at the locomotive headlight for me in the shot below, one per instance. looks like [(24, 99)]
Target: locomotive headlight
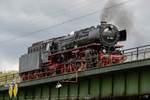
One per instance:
[(104, 50)]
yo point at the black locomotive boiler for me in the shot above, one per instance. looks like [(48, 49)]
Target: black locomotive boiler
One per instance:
[(86, 48)]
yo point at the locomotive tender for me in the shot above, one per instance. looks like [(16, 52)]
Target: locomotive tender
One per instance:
[(86, 48)]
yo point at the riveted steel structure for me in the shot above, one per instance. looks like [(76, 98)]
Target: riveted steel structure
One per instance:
[(128, 80)]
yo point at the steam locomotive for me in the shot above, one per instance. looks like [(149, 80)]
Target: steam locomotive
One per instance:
[(84, 49)]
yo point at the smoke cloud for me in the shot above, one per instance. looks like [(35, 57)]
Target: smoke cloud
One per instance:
[(117, 12)]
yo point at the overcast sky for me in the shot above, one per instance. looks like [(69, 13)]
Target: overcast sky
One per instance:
[(19, 19)]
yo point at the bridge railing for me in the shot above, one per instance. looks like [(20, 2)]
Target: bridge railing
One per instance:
[(132, 54), (137, 53)]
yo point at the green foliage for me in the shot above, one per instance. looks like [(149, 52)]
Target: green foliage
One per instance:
[(7, 73), (7, 77)]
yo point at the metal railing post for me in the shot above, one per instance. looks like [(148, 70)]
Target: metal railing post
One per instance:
[(137, 56)]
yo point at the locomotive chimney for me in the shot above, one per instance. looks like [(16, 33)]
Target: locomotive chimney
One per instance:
[(103, 22)]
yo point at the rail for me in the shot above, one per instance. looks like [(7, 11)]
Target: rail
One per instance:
[(132, 54)]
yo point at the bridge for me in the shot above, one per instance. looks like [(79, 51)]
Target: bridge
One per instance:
[(129, 80)]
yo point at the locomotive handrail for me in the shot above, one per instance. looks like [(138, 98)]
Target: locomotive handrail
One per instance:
[(132, 54), (64, 51)]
